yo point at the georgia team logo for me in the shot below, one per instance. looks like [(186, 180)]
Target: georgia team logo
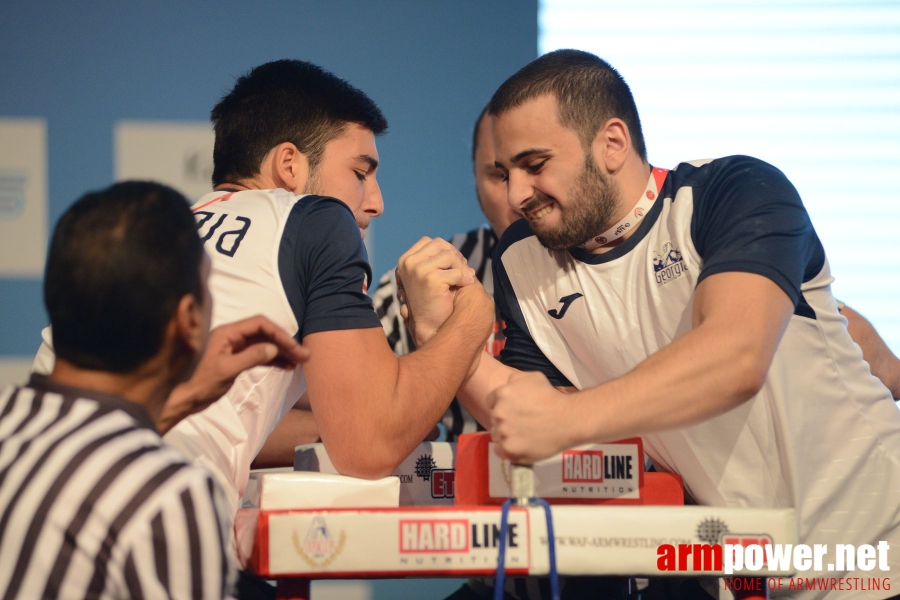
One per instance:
[(668, 265)]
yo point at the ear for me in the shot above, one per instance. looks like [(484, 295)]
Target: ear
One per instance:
[(612, 144), (189, 325), (289, 167)]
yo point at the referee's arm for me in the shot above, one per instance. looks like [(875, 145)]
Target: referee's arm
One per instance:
[(183, 551)]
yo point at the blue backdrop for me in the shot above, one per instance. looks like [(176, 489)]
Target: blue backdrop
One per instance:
[(430, 66)]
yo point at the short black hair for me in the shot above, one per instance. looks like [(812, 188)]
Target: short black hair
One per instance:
[(589, 92), (481, 115), (120, 261), (285, 101)]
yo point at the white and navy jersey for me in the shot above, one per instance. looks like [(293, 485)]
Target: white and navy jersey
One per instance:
[(477, 246), (821, 436), (297, 260), (94, 505)]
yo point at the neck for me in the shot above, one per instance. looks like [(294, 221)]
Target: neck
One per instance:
[(232, 186), (148, 385), (632, 182)]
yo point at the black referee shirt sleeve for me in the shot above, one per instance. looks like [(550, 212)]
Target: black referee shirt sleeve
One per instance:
[(181, 550)]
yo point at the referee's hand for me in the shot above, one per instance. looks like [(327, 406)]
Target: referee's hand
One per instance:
[(231, 349)]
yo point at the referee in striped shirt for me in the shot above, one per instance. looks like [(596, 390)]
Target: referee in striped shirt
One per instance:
[(92, 503)]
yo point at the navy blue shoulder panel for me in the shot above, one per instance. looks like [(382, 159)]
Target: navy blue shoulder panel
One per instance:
[(521, 351), (748, 217), (324, 267)]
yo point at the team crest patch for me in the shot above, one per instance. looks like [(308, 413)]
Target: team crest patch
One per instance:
[(668, 265), (319, 548)]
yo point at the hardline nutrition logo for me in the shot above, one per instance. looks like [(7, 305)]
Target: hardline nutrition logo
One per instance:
[(440, 536), (591, 466)]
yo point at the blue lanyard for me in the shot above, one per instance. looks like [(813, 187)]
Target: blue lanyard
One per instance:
[(501, 558)]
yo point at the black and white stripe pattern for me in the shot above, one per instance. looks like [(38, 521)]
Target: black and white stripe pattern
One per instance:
[(94, 505), (477, 246)]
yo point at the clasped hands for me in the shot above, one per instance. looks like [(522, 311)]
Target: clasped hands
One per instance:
[(429, 276)]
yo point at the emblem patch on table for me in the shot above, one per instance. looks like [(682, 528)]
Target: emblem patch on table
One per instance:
[(319, 548), (424, 466), (710, 530)]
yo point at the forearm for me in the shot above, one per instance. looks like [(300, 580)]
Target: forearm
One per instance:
[(703, 374), (473, 394), (372, 416), (298, 427), (179, 405), (427, 381)]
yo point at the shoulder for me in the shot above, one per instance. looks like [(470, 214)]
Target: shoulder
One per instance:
[(167, 482), (312, 204), (518, 231), (730, 170), (318, 221)]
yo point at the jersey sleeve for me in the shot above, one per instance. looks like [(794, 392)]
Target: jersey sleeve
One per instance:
[(520, 352), (748, 217), (324, 268)]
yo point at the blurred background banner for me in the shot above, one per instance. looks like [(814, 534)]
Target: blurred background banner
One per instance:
[(23, 197), (177, 154)]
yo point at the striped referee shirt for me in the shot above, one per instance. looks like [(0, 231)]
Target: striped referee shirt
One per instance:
[(477, 246), (94, 505)]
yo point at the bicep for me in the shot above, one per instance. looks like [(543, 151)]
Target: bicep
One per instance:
[(743, 308), (346, 368)]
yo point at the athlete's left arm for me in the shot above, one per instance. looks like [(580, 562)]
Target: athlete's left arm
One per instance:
[(739, 319), (883, 363)]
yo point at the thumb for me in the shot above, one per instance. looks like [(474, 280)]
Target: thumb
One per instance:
[(252, 356)]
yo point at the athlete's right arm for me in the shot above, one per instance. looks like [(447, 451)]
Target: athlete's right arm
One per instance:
[(372, 408)]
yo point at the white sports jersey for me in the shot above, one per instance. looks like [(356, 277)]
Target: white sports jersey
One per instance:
[(297, 260), (821, 436)]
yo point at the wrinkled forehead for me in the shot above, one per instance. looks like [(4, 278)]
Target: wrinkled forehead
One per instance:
[(533, 124)]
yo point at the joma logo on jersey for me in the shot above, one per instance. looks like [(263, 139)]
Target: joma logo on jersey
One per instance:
[(668, 265), (591, 466)]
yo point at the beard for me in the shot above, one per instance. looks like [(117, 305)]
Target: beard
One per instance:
[(590, 211)]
